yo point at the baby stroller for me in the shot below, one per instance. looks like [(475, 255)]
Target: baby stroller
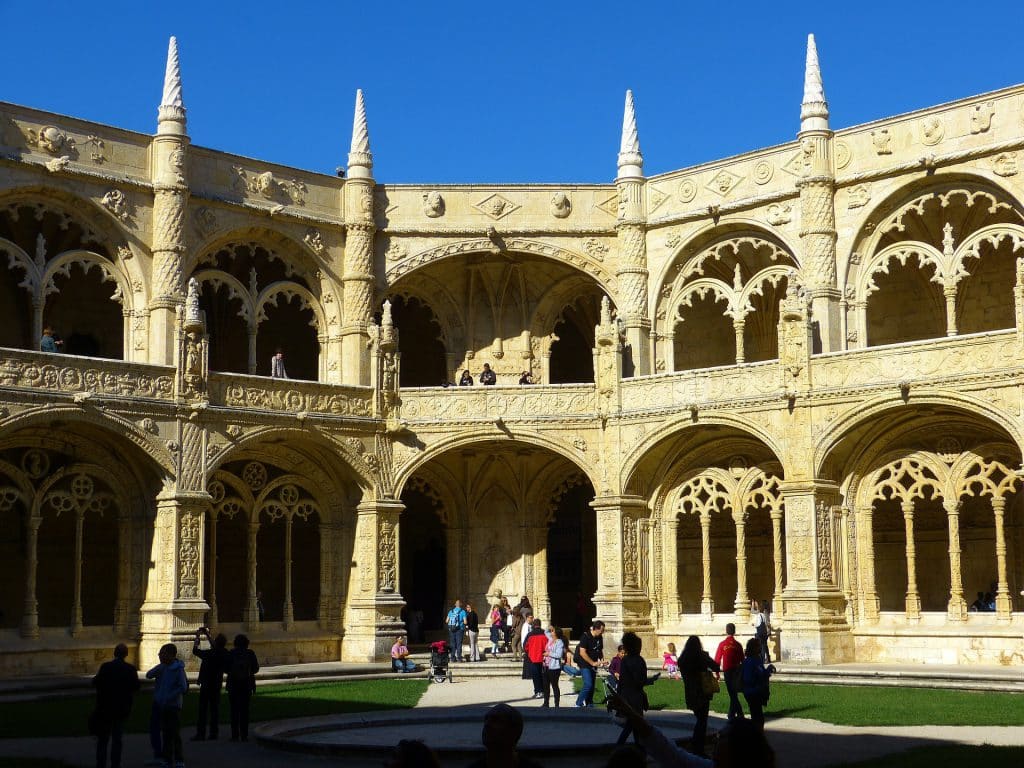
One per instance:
[(439, 669)]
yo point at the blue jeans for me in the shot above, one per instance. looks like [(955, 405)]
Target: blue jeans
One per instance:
[(586, 695), (403, 665), (455, 641)]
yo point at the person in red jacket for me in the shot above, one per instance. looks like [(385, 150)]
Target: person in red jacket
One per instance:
[(533, 647), (729, 657)]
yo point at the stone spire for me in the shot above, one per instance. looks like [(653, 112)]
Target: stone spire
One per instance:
[(813, 108), (360, 160), (631, 162), (172, 107)]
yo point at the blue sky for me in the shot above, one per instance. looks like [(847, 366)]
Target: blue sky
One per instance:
[(500, 92)]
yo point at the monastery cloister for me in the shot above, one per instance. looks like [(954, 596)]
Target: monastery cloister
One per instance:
[(792, 376)]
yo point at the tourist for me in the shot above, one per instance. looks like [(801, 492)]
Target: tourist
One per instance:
[(615, 665), (525, 378), (990, 602), (456, 621), (412, 753), (534, 646), (979, 604), (49, 341), (211, 676), (487, 376), (554, 658), (241, 669), (740, 744), (729, 657), (509, 618), (670, 661), (400, 661), (171, 686), (632, 679), (695, 666), (503, 727), (472, 632), (588, 657), (755, 675), (761, 628), (277, 370), (497, 623), (466, 379), (116, 683)]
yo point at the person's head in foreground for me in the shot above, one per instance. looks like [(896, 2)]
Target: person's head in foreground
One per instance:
[(412, 753), (503, 726), (741, 744)]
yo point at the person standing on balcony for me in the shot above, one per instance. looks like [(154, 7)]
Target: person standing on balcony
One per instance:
[(277, 370), (487, 376), (49, 341), (466, 379)]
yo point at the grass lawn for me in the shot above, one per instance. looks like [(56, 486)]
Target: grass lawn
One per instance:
[(960, 755), (863, 705), (68, 717)]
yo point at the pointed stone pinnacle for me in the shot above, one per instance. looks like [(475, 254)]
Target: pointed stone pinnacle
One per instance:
[(813, 108), (631, 161), (172, 106), (360, 159)]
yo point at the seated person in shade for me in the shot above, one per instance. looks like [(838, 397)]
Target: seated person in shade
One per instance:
[(400, 661)]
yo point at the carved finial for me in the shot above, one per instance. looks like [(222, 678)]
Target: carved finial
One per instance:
[(360, 160), (193, 314), (737, 279), (386, 320), (947, 239), (631, 162), (606, 311), (172, 107), (814, 108)]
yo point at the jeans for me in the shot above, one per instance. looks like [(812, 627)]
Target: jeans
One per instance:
[(586, 695), (239, 701), (497, 637), (755, 702), (551, 685), (109, 730), (732, 685), (474, 652), (170, 729), (209, 710), (156, 741), (700, 728), (455, 641), (403, 665)]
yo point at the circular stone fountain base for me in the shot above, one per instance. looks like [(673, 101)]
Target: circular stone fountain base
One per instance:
[(546, 732)]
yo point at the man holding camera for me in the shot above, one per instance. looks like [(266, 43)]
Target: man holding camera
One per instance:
[(211, 674)]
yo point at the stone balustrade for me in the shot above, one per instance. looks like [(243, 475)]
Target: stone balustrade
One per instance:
[(289, 395), (72, 374), (468, 404)]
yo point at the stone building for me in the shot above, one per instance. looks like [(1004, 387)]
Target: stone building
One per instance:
[(788, 376)]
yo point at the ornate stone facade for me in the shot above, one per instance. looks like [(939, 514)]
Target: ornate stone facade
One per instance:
[(791, 376)]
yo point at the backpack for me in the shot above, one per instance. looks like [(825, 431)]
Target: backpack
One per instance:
[(240, 671), (454, 622)]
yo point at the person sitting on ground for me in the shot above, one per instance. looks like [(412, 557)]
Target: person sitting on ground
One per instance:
[(740, 744), (466, 379), (487, 376), (503, 727), (400, 661), (116, 683), (670, 662), (412, 753), (754, 675)]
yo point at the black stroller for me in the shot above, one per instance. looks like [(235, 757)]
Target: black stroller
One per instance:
[(440, 668)]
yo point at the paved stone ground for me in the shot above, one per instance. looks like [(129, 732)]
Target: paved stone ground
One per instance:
[(799, 743)]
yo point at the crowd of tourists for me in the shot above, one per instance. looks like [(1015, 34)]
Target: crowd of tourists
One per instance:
[(117, 681)]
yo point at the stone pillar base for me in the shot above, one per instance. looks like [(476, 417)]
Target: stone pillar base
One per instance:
[(625, 613), (371, 627), (176, 623), (814, 629)]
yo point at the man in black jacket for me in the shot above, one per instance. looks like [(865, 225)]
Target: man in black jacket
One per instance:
[(116, 683), (211, 675)]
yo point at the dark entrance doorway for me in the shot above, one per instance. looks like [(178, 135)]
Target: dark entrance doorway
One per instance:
[(572, 559), (423, 567)]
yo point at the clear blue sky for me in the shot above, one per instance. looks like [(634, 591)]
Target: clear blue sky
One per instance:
[(500, 92)]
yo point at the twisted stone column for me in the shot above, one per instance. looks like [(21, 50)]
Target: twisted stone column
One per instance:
[(869, 591), (30, 617), (707, 603), (1004, 605), (913, 600), (957, 609), (742, 605)]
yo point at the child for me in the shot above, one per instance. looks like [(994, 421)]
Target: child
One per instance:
[(171, 686), (670, 662)]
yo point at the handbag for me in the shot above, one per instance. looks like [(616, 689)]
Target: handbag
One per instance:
[(709, 683)]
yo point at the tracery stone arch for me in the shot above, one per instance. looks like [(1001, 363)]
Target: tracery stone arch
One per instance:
[(743, 273), (946, 226)]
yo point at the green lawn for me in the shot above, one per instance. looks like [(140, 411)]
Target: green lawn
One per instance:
[(67, 717), (863, 705), (960, 755)]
